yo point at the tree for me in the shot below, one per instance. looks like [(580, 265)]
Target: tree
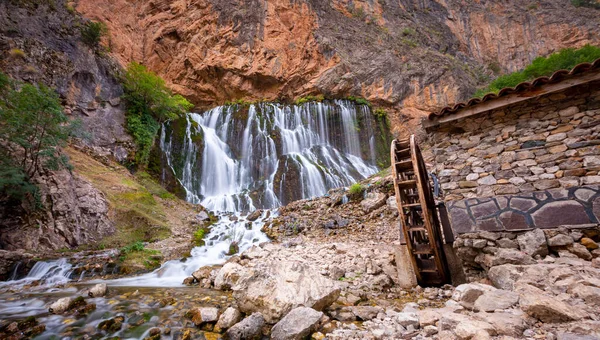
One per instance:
[(92, 33), (149, 104), (32, 128)]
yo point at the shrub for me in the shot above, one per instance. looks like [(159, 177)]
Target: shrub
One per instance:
[(32, 128), (149, 104), (92, 33), (543, 66), (302, 100), (359, 100), (586, 3), (199, 235), (356, 190), (133, 247)]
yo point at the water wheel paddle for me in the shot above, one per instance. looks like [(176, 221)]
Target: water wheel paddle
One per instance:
[(418, 214)]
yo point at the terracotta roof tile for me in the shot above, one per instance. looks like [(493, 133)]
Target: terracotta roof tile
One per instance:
[(524, 86)]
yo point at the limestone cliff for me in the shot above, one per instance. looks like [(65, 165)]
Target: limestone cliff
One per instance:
[(408, 54)]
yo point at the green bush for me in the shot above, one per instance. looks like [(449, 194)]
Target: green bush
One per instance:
[(543, 66), (136, 246), (359, 100), (199, 235), (32, 129), (149, 104), (92, 33), (586, 3), (306, 99), (356, 190)]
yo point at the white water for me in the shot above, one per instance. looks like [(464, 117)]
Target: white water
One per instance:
[(48, 273), (319, 142)]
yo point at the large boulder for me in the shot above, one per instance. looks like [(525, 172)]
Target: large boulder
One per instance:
[(496, 299), (228, 276), (248, 329), (373, 201), (466, 294), (275, 288), (230, 317), (545, 308), (204, 315), (297, 324)]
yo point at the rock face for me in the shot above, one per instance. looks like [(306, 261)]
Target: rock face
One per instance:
[(75, 213), (217, 50), (275, 288), (297, 325)]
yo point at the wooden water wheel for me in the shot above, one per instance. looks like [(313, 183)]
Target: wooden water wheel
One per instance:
[(418, 215)]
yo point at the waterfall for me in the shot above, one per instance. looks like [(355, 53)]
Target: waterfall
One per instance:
[(49, 273), (241, 158)]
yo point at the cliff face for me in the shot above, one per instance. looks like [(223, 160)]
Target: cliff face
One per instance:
[(411, 54)]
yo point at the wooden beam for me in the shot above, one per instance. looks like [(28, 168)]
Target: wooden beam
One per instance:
[(512, 99)]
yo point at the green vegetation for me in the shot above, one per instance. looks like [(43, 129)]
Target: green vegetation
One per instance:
[(544, 66), (306, 99), (135, 256), (359, 100), (149, 104), (92, 33), (199, 235), (32, 129), (355, 192), (586, 3)]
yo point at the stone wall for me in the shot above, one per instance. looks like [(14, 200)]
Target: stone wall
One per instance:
[(577, 207), (547, 142), (480, 251)]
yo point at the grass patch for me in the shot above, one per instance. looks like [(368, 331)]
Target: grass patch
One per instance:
[(543, 66), (306, 99), (359, 101), (134, 257), (356, 191)]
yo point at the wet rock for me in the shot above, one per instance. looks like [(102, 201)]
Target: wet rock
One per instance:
[(136, 319), (228, 276), (230, 317), (153, 334), (202, 216), (275, 288), (297, 324), (98, 290), (188, 281), (373, 201), (533, 243), (203, 276), (203, 315), (534, 302), (255, 215), (60, 306), (248, 329), (112, 325)]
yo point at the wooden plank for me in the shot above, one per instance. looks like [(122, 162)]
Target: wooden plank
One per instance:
[(511, 99)]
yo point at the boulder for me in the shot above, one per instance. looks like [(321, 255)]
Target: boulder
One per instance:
[(275, 288), (228, 276), (504, 256), (507, 324), (202, 273), (580, 251), (589, 243), (466, 294), (204, 315), (591, 295), (366, 312), (60, 306), (373, 201), (496, 299), (98, 290), (230, 317), (298, 324), (505, 276), (560, 240), (248, 329), (534, 302), (406, 319), (533, 243), (255, 215)]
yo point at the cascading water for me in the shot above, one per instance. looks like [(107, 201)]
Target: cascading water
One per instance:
[(241, 158), (235, 158)]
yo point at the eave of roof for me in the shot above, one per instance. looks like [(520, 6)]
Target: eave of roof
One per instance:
[(522, 91)]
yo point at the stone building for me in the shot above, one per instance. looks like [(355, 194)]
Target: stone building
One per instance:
[(521, 170)]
